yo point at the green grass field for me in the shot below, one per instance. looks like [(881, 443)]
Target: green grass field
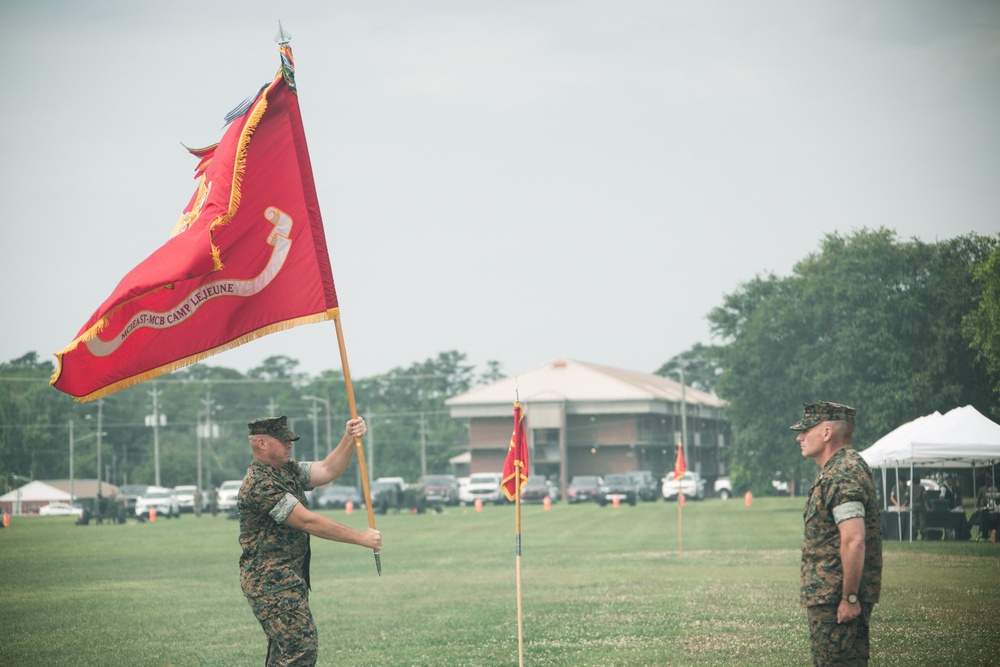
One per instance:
[(601, 586)]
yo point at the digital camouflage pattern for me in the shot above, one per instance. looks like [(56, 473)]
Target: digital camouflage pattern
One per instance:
[(276, 427), (289, 626), (823, 411), (845, 478), (842, 644), (275, 556), (274, 566)]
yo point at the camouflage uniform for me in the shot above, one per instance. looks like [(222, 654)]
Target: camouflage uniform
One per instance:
[(845, 479), (844, 489), (274, 567)]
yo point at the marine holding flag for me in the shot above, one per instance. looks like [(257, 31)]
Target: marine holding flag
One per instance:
[(275, 525)]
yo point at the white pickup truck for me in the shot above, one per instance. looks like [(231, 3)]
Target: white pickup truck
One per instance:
[(691, 484)]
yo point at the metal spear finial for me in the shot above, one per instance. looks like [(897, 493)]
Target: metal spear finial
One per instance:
[(282, 37)]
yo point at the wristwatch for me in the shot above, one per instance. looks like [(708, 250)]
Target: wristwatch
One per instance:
[(851, 599)]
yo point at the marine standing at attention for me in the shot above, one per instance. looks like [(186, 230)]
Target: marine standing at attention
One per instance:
[(842, 549), (275, 525)]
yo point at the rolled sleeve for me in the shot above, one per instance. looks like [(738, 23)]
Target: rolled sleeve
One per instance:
[(851, 510), (283, 508)]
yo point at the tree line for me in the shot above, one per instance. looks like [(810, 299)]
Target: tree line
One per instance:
[(410, 428), (896, 328)]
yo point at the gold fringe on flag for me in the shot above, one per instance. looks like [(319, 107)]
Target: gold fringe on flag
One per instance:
[(330, 314)]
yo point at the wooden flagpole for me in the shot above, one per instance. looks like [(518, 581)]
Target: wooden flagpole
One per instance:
[(358, 446), (517, 530), (518, 470), (680, 523)]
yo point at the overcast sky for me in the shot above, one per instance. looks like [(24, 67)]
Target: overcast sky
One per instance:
[(518, 181)]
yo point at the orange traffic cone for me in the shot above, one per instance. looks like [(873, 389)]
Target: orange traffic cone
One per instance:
[(615, 501), (349, 507), (749, 500), (547, 503), (479, 504), (6, 519), (152, 513)]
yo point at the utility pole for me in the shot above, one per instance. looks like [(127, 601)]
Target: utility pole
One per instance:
[(329, 429), (155, 393), (684, 412), (371, 449), (423, 444), (72, 494), (100, 429), (208, 402), (314, 410), (197, 432)]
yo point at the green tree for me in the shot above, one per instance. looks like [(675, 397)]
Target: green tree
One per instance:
[(213, 404), (982, 325), (868, 321), (33, 421), (700, 365), (409, 418)]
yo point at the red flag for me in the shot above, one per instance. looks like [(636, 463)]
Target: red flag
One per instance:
[(679, 467), (247, 258), (515, 468)]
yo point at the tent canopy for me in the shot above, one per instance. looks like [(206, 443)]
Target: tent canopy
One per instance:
[(960, 438)]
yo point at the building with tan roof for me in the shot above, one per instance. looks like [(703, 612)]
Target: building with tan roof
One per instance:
[(587, 419)]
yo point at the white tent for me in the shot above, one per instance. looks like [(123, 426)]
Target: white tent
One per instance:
[(960, 438), (894, 446)]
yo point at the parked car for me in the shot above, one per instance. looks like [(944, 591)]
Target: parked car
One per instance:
[(389, 492), (485, 486), (335, 497), (385, 496), (130, 493), (60, 509), (162, 499), (620, 486), (226, 496), (538, 489), (583, 488), (442, 489), (398, 481), (690, 483), (185, 497), (648, 487)]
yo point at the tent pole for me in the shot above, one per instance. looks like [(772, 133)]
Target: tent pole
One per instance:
[(885, 494), (912, 508), (899, 509)]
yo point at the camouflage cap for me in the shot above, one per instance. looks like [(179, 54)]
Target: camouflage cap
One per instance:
[(822, 411), (276, 427)]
